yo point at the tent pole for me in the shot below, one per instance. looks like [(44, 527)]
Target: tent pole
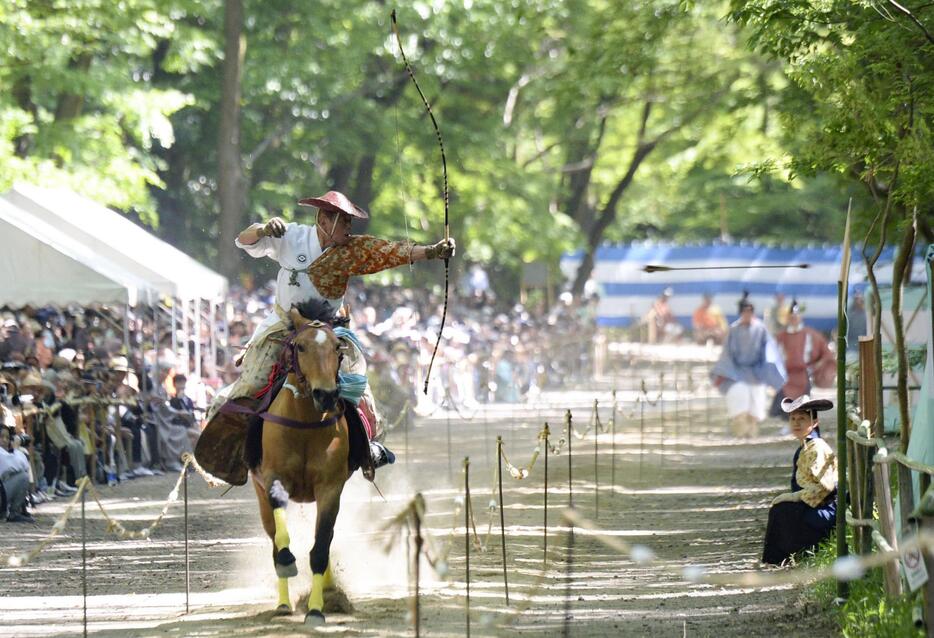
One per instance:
[(185, 332), (212, 317), (198, 338), (145, 386), (175, 301), (155, 343), (126, 331)]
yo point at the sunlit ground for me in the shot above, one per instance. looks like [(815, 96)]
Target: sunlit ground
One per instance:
[(688, 491)]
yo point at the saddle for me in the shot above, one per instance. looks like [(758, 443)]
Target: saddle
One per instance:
[(231, 443)]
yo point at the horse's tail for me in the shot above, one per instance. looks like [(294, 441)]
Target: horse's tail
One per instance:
[(253, 446)]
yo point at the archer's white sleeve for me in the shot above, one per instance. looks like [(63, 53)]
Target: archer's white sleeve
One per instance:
[(266, 246)]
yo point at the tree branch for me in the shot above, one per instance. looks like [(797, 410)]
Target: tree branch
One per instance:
[(902, 264), (913, 18), (643, 149), (540, 154)]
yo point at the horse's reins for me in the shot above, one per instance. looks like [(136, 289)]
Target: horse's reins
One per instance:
[(263, 410)]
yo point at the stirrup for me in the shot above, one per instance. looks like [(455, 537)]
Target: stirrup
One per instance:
[(381, 455)]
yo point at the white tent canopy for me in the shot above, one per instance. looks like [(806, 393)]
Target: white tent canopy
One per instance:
[(171, 272), (40, 264)]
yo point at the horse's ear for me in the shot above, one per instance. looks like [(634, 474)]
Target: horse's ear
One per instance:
[(296, 317)]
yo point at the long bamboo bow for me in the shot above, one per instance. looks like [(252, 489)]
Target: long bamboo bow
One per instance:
[(444, 172)]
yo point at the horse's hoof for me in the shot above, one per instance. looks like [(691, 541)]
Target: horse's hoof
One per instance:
[(285, 564), (282, 610), (314, 618), (286, 571)]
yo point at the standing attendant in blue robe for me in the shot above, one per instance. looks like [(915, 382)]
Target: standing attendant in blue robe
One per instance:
[(749, 362), (802, 518)]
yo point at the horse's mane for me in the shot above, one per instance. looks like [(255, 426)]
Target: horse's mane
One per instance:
[(316, 310)]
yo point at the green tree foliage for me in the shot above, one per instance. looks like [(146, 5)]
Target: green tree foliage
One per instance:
[(863, 73), (78, 106), (566, 122)]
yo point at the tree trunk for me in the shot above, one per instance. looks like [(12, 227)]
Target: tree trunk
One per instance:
[(877, 427), (339, 176), (362, 194), (229, 161), (70, 104), (900, 268), (606, 217), (22, 95)]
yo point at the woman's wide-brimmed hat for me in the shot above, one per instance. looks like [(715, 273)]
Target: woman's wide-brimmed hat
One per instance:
[(805, 402), (9, 382), (336, 203), (119, 364), (32, 380)]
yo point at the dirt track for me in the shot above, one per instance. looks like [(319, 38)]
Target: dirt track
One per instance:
[(698, 499)]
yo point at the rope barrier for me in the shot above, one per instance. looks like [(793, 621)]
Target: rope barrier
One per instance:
[(861, 522), (520, 473), (556, 448), (884, 456), (399, 419), (116, 528), (189, 459), (632, 413), (491, 510), (436, 552), (19, 560), (845, 568), (645, 395), (453, 404), (56, 407)]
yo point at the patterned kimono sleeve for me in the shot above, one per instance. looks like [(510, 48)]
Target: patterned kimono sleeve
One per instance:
[(362, 255), (370, 254), (816, 472)]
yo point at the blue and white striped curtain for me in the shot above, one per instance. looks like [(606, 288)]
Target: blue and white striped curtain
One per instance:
[(627, 293)]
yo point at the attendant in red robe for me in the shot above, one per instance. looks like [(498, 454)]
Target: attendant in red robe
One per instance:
[(808, 359)]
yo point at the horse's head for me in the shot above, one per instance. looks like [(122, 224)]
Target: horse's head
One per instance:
[(316, 358)]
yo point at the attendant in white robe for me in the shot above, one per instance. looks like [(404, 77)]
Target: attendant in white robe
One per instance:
[(750, 361)]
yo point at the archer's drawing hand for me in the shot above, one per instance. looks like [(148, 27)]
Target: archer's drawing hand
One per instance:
[(275, 227)]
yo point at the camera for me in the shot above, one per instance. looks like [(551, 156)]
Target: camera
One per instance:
[(24, 439)]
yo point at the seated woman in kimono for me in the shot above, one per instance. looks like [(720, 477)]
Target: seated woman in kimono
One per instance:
[(802, 518)]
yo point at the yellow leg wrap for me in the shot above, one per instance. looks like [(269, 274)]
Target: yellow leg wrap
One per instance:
[(284, 592), (282, 532), (316, 597), (328, 582)]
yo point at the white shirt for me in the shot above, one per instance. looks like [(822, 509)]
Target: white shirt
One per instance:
[(294, 252), (14, 462)]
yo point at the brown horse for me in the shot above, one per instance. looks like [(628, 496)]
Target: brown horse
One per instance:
[(305, 448)]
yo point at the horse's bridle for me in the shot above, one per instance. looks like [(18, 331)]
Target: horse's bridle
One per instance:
[(292, 359), (291, 365)]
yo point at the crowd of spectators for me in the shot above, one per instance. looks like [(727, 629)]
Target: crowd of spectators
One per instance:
[(88, 392), (489, 352), (74, 404)]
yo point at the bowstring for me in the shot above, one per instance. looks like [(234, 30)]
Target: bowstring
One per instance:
[(401, 173)]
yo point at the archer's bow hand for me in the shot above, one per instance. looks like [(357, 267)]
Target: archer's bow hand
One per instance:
[(444, 249)]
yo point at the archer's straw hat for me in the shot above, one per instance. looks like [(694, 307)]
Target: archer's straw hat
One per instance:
[(335, 202)]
